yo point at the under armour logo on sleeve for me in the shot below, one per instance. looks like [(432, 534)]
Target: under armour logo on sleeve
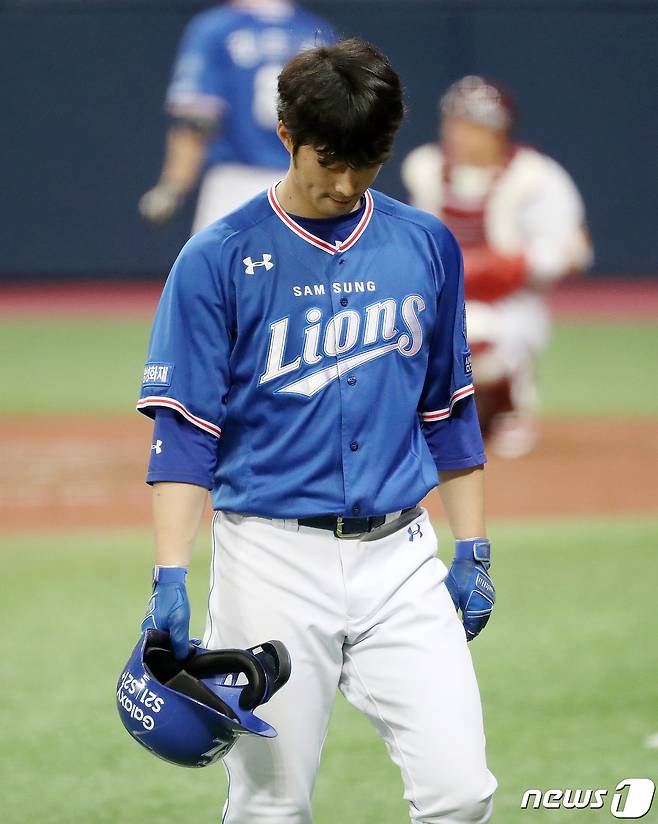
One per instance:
[(250, 265), (156, 447)]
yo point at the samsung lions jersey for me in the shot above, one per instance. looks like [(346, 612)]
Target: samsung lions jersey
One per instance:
[(227, 69), (314, 364)]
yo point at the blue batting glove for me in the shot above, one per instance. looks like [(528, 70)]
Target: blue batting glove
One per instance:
[(169, 608), (470, 586)]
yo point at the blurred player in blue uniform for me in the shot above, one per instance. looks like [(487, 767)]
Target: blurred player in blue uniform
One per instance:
[(222, 101)]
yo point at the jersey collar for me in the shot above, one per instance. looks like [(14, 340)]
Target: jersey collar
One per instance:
[(309, 237)]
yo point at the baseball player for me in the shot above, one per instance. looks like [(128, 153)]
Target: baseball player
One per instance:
[(222, 104), (308, 364), (520, 222)]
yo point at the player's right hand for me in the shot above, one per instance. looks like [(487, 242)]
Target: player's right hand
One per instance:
[(169, 608), (160, 203)]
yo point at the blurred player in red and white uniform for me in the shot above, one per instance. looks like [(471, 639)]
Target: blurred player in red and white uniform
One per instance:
[(520, 222)]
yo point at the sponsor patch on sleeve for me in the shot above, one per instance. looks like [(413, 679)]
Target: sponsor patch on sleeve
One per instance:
[(158, 374), (468, 368)]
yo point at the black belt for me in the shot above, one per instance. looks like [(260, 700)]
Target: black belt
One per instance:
[(344, 527)]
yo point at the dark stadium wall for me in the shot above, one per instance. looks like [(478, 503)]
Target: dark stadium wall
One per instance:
[(83, 132)]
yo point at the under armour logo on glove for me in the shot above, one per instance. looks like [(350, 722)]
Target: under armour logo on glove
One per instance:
[(414, 532), (470, 586), (150, 619), (250, 265)]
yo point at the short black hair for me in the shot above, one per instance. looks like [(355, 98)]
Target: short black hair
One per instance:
[(343, 100)]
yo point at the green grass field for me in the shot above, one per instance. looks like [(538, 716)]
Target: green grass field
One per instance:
[(62, 365), (567, 667), (566, 670)]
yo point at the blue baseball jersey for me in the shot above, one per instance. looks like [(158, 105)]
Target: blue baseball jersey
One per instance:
[(316, 365), (227, 68)]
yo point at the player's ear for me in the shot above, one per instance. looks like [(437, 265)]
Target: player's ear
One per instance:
[(284, 137)]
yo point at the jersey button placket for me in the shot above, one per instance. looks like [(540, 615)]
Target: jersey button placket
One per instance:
[(346, 424)]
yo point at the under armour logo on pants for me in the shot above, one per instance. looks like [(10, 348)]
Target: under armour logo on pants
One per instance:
[(414, 532)]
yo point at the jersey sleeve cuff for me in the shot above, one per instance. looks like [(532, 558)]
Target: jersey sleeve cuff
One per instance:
[(462, 463), (179, 477), (148, 405), (195, 104), (442, 414)]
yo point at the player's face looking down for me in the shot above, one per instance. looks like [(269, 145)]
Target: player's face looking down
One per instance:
[(341, 106), (315, 189), (473, 144)]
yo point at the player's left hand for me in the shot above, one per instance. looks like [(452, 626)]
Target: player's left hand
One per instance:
[(169, 608), (470, 586)]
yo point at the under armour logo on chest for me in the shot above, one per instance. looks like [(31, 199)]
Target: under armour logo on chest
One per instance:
[(250, 265)]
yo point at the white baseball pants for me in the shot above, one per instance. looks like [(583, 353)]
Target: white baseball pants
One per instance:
[(228, 186), (372, 618)]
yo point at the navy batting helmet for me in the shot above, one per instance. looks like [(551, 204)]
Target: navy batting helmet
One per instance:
[(191, 712)]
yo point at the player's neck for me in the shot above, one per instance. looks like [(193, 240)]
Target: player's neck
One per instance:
[(293, 201)]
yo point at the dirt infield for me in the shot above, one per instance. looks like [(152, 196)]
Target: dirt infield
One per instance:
[(63, 473)]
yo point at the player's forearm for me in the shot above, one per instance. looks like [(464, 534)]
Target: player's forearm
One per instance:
[(185, 153), (462, 495), (177, 513)]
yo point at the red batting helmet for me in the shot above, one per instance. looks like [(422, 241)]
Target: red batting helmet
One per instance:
[(480, 100)]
